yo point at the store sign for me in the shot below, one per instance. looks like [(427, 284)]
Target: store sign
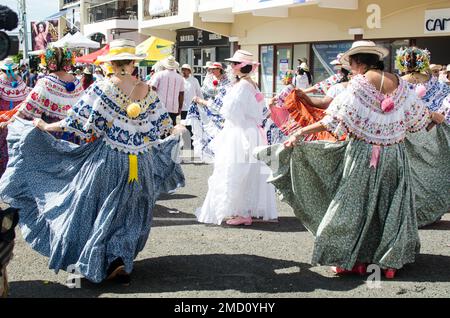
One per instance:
[(194, 37), (159, 7), (437, 21)]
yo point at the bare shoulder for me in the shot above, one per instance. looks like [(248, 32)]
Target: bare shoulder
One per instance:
[(141, 90)]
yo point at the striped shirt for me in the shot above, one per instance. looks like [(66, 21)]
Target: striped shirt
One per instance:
[(168, 84)]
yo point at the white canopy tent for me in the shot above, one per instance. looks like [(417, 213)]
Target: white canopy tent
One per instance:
[(76, 40)]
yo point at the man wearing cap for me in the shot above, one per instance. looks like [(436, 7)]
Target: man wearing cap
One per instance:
[(191, 89), (170, 87)]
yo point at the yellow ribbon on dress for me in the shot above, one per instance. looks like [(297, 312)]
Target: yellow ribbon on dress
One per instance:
[(133, 169)]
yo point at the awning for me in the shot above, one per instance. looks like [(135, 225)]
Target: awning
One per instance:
[(56, 15), (91, 58), (155, 48)]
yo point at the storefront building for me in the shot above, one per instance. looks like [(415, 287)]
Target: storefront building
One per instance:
[(196, 47), (279, 32)]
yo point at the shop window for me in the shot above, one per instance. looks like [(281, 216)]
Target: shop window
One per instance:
[(283, 64), (323, 54), (267, 70)]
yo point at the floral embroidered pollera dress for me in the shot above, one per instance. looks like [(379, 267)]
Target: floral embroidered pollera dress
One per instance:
[(50, 100), (88, 205), (207, 122), (357, 196), (10, 98), (425, 148)]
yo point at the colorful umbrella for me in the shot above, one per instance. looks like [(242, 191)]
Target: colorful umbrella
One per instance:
[(155, 48), (92, 57)]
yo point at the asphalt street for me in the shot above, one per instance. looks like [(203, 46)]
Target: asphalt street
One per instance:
[(183, 258)]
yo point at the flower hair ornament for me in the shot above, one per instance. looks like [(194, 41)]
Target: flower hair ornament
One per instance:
[(65, 61), (412, 59), (288, 77)]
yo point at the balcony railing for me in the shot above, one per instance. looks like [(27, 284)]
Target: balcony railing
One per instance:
[(160, 9), (118, 9), (70, 1)]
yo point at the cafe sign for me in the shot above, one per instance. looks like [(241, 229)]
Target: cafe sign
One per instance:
[(437, 21)]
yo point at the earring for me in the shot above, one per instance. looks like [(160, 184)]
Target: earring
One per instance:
[(123, 72)]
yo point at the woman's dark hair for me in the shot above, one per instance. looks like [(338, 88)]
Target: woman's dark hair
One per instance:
[(87, 80), (345, 78), (61, 61), (301, 71), (121, 63), (246, 69), (371, 60)]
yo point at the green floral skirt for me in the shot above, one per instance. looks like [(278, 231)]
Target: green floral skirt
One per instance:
[(357, 213)]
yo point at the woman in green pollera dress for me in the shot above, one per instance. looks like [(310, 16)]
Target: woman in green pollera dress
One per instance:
[(358, 197)]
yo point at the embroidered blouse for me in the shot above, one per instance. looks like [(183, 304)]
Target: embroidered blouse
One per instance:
[(209, 90), (358, 111), (101, 112), (436, 93), (324, 86), (50, 97), (10, 94)]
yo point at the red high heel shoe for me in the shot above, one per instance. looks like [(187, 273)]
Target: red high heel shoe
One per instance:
[(390, 273), (360, 269)]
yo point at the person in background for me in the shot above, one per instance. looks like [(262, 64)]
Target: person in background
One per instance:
[(170, 87), (78, 74), (435, 70), (191, 89), (33, 78), (87, 79), (98, 74), (9, 218), (303, 80)]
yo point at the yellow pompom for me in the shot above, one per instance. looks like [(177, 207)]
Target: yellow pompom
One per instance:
[(133, 110)]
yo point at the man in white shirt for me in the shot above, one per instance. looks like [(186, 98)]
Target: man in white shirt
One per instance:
[(169, 85), (191, 89)]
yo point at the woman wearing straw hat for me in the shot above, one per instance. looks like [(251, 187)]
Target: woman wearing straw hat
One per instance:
[(12, 92), (237, 187), (90, 206), (204, 113), (415, 64), (357, 196)]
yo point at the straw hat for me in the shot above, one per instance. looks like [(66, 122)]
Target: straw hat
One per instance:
[(241, 56), (208, 64), (448, 68), (8, 63), (337, 60), (187, 67), (304, 67), (120, 50), (169, 63), (367, 47), (87, 71), (215, 65)]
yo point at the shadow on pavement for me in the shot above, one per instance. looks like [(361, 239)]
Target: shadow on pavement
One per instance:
[(442, 225), (162, 216), (175, 196), (212, 272), (218, 272)]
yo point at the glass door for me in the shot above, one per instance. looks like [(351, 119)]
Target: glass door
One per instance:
[(283, 63), (197, 65)]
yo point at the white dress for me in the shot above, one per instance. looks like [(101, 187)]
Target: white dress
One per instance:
[(238, 184)]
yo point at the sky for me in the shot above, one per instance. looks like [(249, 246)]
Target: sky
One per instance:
[(37, 10)]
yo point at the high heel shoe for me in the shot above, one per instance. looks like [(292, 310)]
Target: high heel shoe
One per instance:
[(360, 269), (240, 220), (390, 273)]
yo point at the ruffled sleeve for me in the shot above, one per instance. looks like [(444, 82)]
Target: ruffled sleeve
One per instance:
[(333, 121), (101, 113), (84, 118), (417, 116), (31, 106)]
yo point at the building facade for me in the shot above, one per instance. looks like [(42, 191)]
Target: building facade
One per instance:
[(280, 32)]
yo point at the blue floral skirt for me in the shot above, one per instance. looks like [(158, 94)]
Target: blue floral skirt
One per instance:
[(76, 204)]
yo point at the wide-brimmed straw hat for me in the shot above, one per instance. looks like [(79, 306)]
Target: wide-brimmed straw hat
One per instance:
[(241, 56), (186, 67), (8, 63), (120, 50), (215, 65), (169, 63), (304, 67), (435, 67), (367, 47)]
